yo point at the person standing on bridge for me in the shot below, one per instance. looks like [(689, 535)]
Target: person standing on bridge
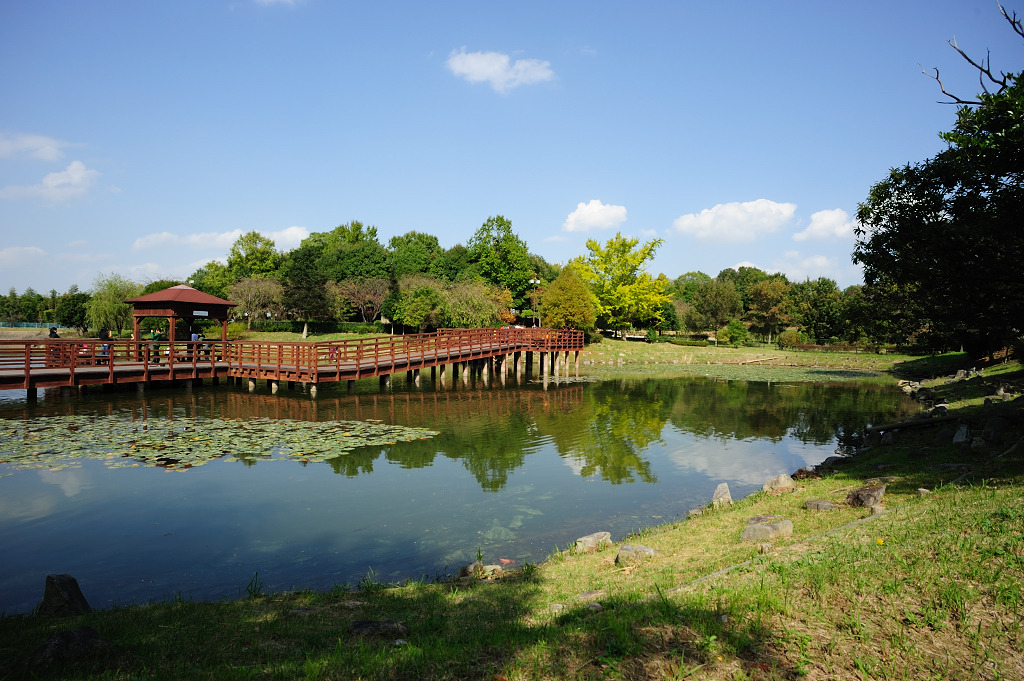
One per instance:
[(53, 332)]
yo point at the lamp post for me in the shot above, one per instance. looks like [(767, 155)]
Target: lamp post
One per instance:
[(533, 298)]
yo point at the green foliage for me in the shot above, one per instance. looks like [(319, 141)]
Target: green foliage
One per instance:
[(412, 253), (71, 309), (735, 333), (819, 309), (213, 278), (625, 294), (107, 307), (159, 285), (253, 255), (943, 235), (714, 304), (790, 339), (568, 302), (503, 258), (769, 306)]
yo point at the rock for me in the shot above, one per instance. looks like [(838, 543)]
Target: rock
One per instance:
[(820, 505), (994, 427), (591, 595), (492, 571), (722, 497), (67, 647), (629, 554), (763, 519), (472, 569), (62, 597), (831, 463), (381, 628), (593, 542), (877, 509), (889, 438), (922, 492), (866, 496), (694, 512), (594, 607), (806, 474), (765, 547), (780, 484), (963, 434), (763, 533)]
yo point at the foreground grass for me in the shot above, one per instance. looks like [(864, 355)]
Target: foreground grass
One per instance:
[(934, 588)]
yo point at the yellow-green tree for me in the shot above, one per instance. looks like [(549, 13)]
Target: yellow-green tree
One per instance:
[(625, 293)]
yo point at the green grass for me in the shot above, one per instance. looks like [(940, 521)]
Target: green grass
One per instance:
[(934, 588)]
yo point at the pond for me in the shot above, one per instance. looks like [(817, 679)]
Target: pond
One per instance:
[(206, 492)]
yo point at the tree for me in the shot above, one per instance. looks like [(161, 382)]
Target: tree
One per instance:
[(474, 304), (159, 285), (944, 234), (818, 308), (685, 286), (412, 253), (714, 304), (107, 306), (256, 298), (71, 309), (419, 303), (366, 295), (305, 285), (214, 278), (253, 255), (624, 292), (567, 302), (503, 258), (769, 306)]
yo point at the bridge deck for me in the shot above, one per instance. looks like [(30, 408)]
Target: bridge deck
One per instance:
[(57, 363)]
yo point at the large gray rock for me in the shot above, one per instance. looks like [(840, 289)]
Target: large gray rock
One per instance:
[(68, 647), (629, 554), (866, 496), (761, 533), (62, 597), (780, 484), (820, 505), (593, 542), (722, 496), (963, 434)]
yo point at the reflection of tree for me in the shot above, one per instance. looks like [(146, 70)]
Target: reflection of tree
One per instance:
[(811, 412), (609, 432)]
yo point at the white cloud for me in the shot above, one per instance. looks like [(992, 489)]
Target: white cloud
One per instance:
[(800, 267), (284, 239), (498, 69), (16, 255), (555, 238), (71, 183), (37, 146), (736, 222), (594, 215), (827, 224), (288, 238)]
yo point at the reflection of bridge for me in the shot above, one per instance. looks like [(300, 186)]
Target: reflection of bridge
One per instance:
[(70, 363)]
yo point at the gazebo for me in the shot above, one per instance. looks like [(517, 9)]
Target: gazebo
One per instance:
[(180, 302)]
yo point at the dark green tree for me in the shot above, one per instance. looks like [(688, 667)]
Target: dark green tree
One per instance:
[(944, 234), (412, 253), (71, 309), (503, 258)]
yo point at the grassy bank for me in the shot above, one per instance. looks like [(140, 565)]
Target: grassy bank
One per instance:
[(931, 588)]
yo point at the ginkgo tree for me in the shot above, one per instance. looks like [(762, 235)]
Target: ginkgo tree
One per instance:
[(625, 292)]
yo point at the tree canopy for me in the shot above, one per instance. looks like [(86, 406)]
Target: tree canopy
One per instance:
[(943, 236)]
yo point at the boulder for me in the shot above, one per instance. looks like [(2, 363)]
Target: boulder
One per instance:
[(593, 542), (761, 533), (820, 505), (62, 597), (780, 484), (963, 434), (68, 647), (471, 570), (721, 497), (866, 496), (629, 554)]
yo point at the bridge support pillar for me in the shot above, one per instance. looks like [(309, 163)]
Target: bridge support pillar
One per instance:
[(291, 386), (529, 362), (466, 369), (274, 386), (576, 362), (555, 361), (385, 382), (351, 387), (444, 374), (408, 377), (312, 389), (252, 386), (433, 373), (139, 387), (30, 394), (416, 377)]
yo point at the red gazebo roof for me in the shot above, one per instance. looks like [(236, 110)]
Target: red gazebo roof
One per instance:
[(182, 293)]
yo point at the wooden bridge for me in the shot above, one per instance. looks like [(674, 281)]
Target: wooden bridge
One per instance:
[(46, 363)]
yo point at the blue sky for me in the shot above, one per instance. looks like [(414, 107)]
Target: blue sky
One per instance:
[(143, 137)]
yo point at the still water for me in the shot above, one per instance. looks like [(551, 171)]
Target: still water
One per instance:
[(514, 472)]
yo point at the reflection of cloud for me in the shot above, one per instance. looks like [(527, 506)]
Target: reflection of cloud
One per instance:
[(741, 461), (25, 507), (71, 482)]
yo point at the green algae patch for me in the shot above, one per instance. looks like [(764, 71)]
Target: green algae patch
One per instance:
[(55, 442)]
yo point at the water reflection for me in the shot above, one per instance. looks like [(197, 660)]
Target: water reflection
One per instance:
[(514, 471)]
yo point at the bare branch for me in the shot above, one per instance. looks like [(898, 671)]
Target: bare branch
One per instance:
[(956, 100), (1015, 23)]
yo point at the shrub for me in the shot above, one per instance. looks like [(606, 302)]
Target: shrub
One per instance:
[(788, 339)]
